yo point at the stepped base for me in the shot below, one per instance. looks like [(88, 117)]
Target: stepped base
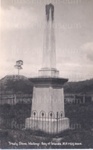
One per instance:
[(48, 72), (51, 126)]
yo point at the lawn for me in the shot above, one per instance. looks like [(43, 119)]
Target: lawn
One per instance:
[(18, 137)]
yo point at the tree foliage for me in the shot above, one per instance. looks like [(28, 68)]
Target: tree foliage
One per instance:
[(24, 86), (83, 87)]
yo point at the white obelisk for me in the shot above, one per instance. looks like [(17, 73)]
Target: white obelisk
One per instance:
[(49, 48), (47, 113)]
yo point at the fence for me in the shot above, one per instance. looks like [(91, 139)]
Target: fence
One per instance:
[(46, 122)]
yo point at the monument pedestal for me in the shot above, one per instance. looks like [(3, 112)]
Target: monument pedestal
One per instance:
[(48, 72), (48, 106)]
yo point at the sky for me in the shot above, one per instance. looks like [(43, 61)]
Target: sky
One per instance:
[(22, 24)]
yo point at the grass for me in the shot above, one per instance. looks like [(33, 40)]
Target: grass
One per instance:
[(68, 139), (77, 138)]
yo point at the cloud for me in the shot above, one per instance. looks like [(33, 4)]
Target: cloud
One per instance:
[(88, 50), (15, 18), (22, 25), (75, 71)]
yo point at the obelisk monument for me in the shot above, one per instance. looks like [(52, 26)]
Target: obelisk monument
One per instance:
[(49, 49), (47, 113)]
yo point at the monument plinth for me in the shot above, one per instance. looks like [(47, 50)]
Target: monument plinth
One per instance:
[(48, 72), (47, 112)]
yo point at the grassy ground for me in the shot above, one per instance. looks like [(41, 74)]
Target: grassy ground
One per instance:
[(27, 139), (20, 138)]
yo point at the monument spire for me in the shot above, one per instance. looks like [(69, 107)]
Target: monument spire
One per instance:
[(49, 48), (50, 12)]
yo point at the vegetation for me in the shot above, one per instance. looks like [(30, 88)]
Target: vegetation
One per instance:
[(83, 87), (24, 86), (80, 114), (15, 115), (83, 137), (15, 85)]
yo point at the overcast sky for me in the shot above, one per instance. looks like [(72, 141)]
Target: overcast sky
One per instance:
[(22, 33)]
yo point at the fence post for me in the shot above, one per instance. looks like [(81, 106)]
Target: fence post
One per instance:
[(42, 120), (57, 122)]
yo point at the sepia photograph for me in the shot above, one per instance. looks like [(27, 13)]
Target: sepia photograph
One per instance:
[(46, 74)]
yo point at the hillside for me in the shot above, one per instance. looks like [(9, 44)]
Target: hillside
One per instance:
[(82, 87), (22, 84), (15, 83)]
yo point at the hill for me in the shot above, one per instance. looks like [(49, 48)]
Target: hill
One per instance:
[(15, 83), (81, 87), (22, 84)]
